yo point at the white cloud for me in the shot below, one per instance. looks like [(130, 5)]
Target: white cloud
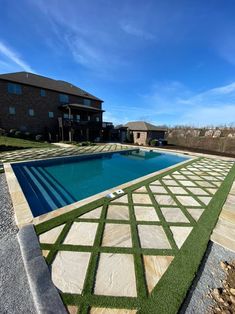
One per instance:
[(13, 57), (131, 29), (174, 103)]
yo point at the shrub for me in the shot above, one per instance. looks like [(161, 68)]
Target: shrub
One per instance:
[(2, 131), (38, 137), (27, 135), (12, 132), (154, 142), (18, 134)]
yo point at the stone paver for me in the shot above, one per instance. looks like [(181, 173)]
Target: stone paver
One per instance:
[(205, 199), (142, 190), (224, 232), (117, 235), (69, 271), (122, 199), (116, 275), (180, 234), (158, 189), (93, 214), (173, 214), (145, 213), (187, 183), (141, 199), (197, 191), (120, 212), (187, 201), (155, 267), (51, 235), (164, 200), (177, 190), (57, 152), (81, 233), (195, 212), (153, 237)]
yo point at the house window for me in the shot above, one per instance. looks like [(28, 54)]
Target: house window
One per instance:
[(64, 98), (14, 88), (31, 112), (66, 115), (138, 135), (88, 118), (51, 114), (97, 119), (86, 102), (78, 117), (12, 110), (42, 92)]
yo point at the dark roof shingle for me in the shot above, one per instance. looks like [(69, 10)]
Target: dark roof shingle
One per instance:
[(46, 83), (143, 126)]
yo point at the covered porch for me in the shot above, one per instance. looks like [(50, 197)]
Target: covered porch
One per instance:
[(80, 123)]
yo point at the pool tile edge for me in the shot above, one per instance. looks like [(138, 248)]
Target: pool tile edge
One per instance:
[(22, 211), (23, 214), (93, 198)]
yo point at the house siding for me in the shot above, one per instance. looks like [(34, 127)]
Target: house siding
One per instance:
[(40, 123)]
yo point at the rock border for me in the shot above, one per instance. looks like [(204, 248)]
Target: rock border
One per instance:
[(45, 295)]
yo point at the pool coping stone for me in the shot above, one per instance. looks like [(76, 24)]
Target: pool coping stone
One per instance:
[(45, 295), (23, 214)]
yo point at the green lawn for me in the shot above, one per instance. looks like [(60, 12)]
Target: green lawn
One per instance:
[(10, 143)]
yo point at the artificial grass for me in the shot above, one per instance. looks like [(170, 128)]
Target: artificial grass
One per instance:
[(11, 143), (171, 290)]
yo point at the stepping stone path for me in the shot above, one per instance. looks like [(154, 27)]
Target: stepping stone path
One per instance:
[(123, 248), (29, 154)]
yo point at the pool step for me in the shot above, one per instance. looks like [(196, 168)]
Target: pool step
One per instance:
[(38, 186), (28, 187), (68, 198), (52, 195)]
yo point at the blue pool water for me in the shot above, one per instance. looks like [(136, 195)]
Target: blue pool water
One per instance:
[(51, 184)]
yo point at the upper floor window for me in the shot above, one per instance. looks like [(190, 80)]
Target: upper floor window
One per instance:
[(78, 117), (42, 92), (88, 118), (51, 114), (86, 102), (66, 115), (31, 112), (97, 119), (12, 110), (64, 98), (14, 88)]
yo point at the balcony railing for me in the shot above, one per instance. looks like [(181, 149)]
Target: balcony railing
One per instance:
[(77, 123)]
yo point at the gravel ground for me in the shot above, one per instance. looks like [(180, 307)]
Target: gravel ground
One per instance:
[(208, 277), (15, 295)]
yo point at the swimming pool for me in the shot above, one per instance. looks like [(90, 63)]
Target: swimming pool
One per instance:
[(54, 183)]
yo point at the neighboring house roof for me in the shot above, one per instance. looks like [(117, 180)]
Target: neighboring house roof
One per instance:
[(143, 126), (46, 83), (120, 126)]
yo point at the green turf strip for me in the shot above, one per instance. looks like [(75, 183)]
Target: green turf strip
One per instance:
[(171, 290)]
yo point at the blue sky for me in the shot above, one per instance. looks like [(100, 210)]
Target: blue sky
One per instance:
[(166, 62)]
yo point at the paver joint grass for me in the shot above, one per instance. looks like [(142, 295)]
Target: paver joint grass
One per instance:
[(186, 249)]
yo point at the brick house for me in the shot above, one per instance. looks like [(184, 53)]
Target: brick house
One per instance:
[(40, 105), (143, 132)]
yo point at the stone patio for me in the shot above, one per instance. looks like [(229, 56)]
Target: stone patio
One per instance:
[(36, 153), (128, 243)]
